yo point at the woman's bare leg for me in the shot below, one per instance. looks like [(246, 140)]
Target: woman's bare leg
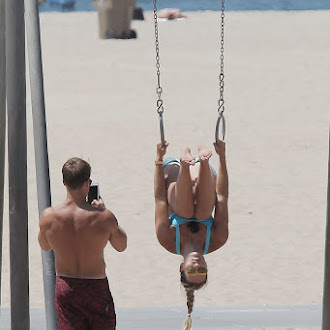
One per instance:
[(180, 193), (205, 189)]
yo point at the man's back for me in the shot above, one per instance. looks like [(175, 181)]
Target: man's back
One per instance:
[(78, 235)]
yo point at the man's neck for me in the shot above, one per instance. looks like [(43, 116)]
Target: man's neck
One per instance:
[(76, 197)]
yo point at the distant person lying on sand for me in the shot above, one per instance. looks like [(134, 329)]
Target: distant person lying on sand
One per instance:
[(187, 191), (78, 232), (170, 13)]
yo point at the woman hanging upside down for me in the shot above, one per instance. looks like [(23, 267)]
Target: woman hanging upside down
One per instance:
[(187, 191)]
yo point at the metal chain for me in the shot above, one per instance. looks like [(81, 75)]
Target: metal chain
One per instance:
[(221, 102), (159, 90), (221, 123)]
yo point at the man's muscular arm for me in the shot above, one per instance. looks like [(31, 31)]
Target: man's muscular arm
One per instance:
[(44, 224), (118, 237)]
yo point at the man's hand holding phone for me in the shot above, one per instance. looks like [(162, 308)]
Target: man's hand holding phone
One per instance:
[(94, 197), (98, 203)]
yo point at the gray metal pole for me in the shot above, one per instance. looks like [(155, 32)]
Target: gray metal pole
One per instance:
[(326, 287), (2, 120), (41, 150), (17, 155)]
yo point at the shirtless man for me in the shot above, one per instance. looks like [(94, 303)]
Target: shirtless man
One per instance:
[(78, 232), (170, 13)]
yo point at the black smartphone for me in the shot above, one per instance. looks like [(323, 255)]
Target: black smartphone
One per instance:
[(93, 192)]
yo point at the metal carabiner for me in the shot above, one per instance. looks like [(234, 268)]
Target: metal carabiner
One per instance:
[(160, 108)]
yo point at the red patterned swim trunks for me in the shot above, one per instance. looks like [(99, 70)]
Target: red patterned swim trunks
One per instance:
[(84, 304)]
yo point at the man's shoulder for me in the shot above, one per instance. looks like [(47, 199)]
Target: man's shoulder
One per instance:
[(47, 217), (109, 217), (48, 212), (105, 220), (52, 212)]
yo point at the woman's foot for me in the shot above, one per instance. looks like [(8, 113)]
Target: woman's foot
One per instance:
[(186, 157), (204, 154)]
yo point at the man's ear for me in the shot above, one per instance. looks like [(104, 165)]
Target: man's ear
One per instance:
[(181, 267), (64, 182)]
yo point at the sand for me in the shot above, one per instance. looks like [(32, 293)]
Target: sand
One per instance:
[(101, 105)]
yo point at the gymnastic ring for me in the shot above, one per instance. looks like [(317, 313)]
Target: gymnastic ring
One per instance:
[(220, 123), (161, 123)]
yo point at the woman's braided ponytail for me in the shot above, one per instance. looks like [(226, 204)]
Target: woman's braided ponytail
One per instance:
[(190, 289), (190, 305)]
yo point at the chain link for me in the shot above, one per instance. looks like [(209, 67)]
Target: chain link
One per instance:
[(221, 102), (159, 90)]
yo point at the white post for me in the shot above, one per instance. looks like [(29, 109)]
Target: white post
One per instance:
[(41, 150)]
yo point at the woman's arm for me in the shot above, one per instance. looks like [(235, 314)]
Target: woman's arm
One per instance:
[(221, 208), (159, 182), (161, 207)]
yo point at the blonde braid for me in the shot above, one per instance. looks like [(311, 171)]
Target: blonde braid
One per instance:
[(187, 323), (190, 305), (190, 288)]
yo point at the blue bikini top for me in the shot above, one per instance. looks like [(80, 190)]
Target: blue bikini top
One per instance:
[(177, 221)]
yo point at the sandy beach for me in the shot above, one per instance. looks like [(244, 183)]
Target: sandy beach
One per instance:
[(101, 105)]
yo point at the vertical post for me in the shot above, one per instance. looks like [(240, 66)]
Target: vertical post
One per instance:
[(326, 287), (2, 120), (40, 146), (17, 156)]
